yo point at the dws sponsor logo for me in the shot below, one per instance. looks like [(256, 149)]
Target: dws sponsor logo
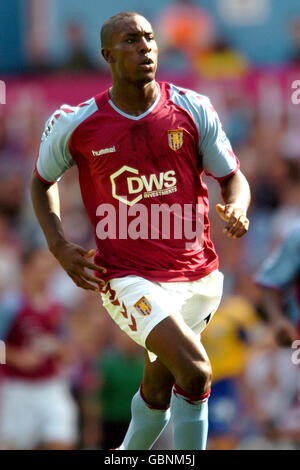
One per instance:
[(139, 186)]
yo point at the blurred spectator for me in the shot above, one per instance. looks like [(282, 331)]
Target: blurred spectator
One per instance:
[(295, 32), (279, 278), (36, 407), (189, 30), (21, 227), (9, 258), (220, 61), (121, 370), (78, 59), (36, 37), (11, 195), (289, 209), (91, 330), (271, 383), (237, 116), (227, 340), (184, 27)]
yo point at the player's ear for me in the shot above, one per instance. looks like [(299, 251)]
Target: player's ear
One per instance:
[(107, 55)]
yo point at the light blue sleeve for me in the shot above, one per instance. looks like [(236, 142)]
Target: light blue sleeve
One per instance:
[(54, 156), (218, 157), (283, 266), (9, 307)]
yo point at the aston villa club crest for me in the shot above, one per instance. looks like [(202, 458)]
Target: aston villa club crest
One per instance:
[(175, 138), (143, 306)]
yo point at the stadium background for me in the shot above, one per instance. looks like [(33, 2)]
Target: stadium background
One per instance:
[(244, 54)]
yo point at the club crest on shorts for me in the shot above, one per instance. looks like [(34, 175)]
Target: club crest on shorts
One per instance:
[(175, 138), (143, 306)]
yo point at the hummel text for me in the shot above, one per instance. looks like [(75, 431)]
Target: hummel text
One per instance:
[(97, 153)]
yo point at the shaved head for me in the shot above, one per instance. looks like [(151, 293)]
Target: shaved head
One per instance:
[(112, 25), (128, 46)]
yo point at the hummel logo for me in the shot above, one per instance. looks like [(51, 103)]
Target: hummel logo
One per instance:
[(97, 153)]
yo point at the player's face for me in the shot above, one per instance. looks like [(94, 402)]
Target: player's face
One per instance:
[(134, 50)]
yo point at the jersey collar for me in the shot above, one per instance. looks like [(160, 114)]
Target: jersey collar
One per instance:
[(140, 116)]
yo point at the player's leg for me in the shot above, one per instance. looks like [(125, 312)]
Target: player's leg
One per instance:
[(151, 316), (150, 406), (185, 361), (157, 383), (181, 352)]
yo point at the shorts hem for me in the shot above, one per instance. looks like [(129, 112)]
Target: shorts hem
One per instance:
[(144, 335)]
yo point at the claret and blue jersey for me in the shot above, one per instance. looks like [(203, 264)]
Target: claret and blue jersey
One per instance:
[(132, 164)]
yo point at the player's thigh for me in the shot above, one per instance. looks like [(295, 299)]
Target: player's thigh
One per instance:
[(137, 305), (150, 315), (178, 348), (201, 299)]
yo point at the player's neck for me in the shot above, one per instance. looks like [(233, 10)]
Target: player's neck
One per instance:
[(133, 99)]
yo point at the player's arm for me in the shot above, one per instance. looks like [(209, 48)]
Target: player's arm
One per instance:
[(72, 257), (46, 205), (236, 195), (53, 160), (220, 162)]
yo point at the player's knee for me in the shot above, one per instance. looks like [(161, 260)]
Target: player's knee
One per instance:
[(196, 379), (156, 394)]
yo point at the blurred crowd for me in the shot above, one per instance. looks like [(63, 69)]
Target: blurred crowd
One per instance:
[(191, 35), (255, 400), (187, 38)]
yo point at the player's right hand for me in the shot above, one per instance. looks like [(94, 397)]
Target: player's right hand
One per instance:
[(74, 259)]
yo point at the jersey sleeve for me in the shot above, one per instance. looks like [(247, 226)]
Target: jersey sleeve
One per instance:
[(283, 266), (219, 159), (54, 157)]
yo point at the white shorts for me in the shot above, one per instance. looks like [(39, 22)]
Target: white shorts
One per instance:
[(36, 412), (137, 305)]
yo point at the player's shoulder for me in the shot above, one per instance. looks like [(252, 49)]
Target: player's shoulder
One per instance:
[(198, 106), (185, 94), (67, 117)]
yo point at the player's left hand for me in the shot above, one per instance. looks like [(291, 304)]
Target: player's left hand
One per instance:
[(237, 221)]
